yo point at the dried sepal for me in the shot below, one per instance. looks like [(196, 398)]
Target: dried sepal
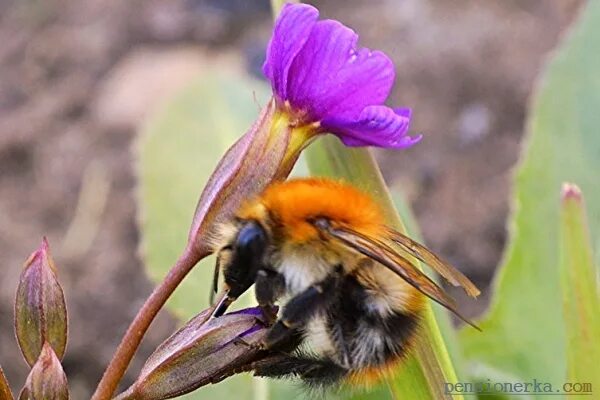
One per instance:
[(266, 153), (40, 311), (201, 352), (46, 380), (5, 393)]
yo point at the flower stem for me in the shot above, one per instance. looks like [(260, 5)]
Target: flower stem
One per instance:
[(131, 341), (126, 395)]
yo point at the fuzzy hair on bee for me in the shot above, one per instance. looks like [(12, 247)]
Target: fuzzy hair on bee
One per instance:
[(351, 297)]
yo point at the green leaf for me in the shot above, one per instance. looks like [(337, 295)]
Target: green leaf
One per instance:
[(580, 291), (523, 333), (447, 330), (178, 149), (424, 374)]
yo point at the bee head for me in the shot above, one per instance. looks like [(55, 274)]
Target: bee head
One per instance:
[(247, 257)]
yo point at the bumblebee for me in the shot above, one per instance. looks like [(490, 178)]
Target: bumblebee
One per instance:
[(351, 297)]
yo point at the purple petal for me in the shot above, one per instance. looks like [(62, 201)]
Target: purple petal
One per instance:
[(329, 77), (292, 30), (317, 67), (405, 112), (376, 126)]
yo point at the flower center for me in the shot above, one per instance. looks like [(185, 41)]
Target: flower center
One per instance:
[(297, 125), (299, 118)]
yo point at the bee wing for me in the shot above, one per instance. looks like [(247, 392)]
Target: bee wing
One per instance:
[(446, 270), (382, 253)]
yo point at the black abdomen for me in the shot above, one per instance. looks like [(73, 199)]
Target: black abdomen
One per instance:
[(361, 336), (367, 337)]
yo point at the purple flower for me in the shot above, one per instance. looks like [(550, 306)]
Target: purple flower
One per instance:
[(320, 77)]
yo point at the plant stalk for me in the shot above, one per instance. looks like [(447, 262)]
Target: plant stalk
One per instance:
[(135, 333)]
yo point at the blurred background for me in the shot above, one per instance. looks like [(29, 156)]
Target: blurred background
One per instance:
[(78, 80)]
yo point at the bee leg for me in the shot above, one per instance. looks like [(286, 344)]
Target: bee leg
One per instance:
[(314, 371), (241, 342), (299, 310), (339, 342), (269, 286), (223, 254)]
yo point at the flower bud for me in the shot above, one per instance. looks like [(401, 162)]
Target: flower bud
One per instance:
[(5, 393), (47, 380), (198, 354), (40, 312)]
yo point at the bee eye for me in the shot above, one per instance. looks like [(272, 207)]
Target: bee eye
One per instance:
[(251, 239), (248, 252)]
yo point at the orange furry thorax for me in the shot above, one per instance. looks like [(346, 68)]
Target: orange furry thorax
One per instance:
[(292, 204)]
